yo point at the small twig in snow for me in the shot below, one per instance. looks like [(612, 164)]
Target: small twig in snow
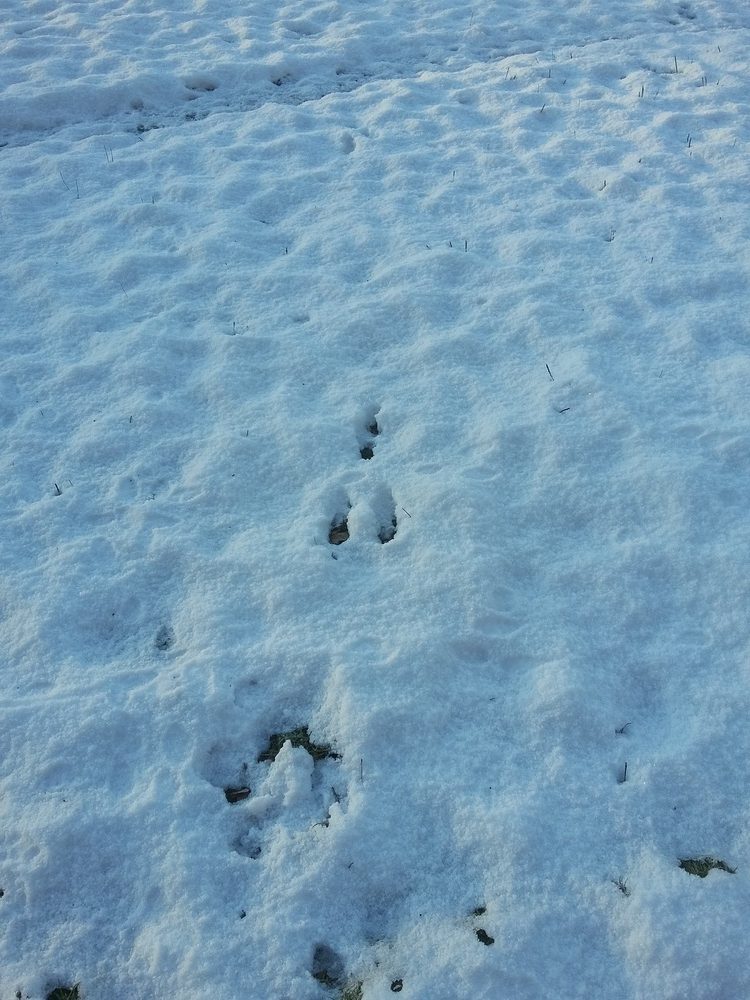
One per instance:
[(621, 885)]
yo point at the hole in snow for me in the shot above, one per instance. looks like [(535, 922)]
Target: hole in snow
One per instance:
[(388, 532), (387, 510), (164, 638), (328, 967), (236, 794), (200, 83), (339, 530), (248, 845)]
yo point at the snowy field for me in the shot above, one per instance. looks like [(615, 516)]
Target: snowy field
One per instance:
[(375, 398)]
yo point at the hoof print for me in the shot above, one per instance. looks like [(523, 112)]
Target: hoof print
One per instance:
[(484, 937), (388, 532), (385, 508), (236, 794), (397, 985), (366, 431), (328, 967), (164, 638), (298, 738)]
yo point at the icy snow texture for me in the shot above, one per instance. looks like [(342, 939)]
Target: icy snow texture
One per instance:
[(513, 237)]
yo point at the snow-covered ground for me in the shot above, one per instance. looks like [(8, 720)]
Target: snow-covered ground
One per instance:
[(500, 248)]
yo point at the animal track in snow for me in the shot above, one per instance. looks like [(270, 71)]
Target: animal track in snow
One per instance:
[(200, 83), (685, 10), (329, 969), (164, 638), (377, 515), (299, 737), (385, 508), (294, 783), (388, 532), (383, 505), (338, 527), (369, 431)]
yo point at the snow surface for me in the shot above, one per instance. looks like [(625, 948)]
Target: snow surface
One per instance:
[(237, 236)]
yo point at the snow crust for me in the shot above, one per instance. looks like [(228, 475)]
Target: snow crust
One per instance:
[(504, 246)]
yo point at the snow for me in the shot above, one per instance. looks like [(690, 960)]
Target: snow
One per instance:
[(503, 246)]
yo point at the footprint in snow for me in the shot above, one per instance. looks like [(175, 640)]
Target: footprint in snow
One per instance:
[(164, 638), (366, 435), (295, 783), (385, 508)]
